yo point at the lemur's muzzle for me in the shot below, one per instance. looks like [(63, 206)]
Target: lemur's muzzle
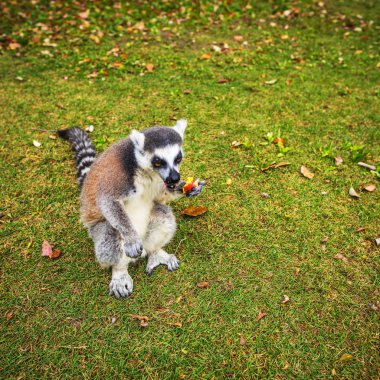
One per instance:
[(172, 179)]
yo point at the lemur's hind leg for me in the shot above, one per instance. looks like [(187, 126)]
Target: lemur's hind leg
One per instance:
[(160, 231), (109, 253)]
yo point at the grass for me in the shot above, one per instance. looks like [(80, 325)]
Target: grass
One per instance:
[(314, 77)]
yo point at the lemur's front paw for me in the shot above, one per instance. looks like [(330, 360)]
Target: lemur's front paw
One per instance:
[(133, 249)]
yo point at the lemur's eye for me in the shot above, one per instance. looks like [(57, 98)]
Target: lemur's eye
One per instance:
[(178, 159), (157, 162)]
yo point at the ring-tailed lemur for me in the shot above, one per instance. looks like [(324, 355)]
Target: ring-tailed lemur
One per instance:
[(123, 198)]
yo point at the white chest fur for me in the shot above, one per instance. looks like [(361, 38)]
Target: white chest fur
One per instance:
[(138, 206)]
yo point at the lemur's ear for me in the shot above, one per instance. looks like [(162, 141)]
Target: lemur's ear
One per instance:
[(138, 139), (180, 127)]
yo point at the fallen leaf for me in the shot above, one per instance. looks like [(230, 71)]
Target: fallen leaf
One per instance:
[(261, 315), (56, 253), (338, 161), (362, 229), (286, 366), (94, 74), (176, 324), (281, 164), (370, 188), (202, 284), (46, 53), (216, 48), (36, 143), (270, 82), (265, 195), (241, 340), (333, 372), (149, 67), (306, 172), (194, 211), (353, 193), (14, 45), (46, 248), (143, 323), (324, 240), (84, 14), (285, 300), (235, 144), (279, 141), (9, 315), (186, 92), (377, 241), (273, 165), (223, 80), (346, 358), (139, 317), (206, 56), (341, 257), (20, 79), (238, 38)]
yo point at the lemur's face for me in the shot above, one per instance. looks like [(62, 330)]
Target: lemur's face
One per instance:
[(165, 161)]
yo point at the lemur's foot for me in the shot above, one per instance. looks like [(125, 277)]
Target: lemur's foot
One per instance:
[(133, 249), (161, 258), (121, 286)]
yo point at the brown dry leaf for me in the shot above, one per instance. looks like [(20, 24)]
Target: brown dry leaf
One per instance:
[(139, 317), (238, 38), (261, 315), (338, 160), (235, 144), (306, 172), (270, 166), (9, 315), (281, 164), (346, 358), (84, 14), (273, 165), (194, 211), (186, 92), (288, 82), (362, 229), (202, 284), (56, 253), (370, 188), (241, 340), (285, 300), (176, 324), (353, 193), (46, 249), (223, 80), (149, 67), (341, 257), (280, 141), (143, 323), (206, 56), (94, 74), (14, 46)]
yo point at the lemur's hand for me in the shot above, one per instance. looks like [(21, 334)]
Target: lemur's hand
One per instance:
[(133, 247)]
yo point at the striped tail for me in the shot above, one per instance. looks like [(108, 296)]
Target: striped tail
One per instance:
[(84, 150)]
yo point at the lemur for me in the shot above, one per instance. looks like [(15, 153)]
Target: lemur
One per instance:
[(123, 198)]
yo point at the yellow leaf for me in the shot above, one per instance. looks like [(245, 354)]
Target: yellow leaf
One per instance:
[(346, 358)]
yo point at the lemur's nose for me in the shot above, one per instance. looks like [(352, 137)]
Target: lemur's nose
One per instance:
[(173, 177)]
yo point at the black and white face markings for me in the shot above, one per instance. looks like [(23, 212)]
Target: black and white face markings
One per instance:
[(166, 162)]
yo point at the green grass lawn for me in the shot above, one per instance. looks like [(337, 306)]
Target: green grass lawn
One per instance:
[(304, 71)]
